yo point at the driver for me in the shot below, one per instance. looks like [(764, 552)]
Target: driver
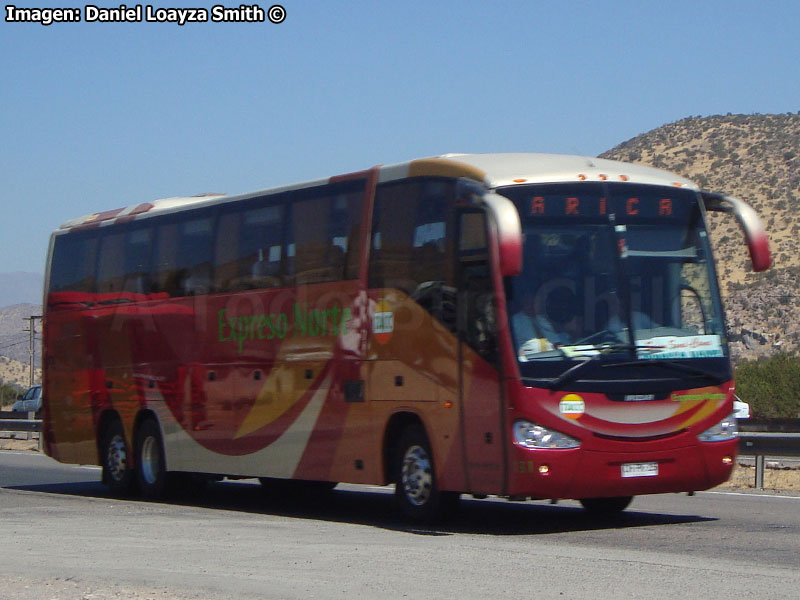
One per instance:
[(553, 315)]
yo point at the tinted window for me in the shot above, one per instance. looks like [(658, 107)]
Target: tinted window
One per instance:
[(412, 248), (410, 243), (73, 266), (137, 256), (323, 233), (110, 272), (249, 251), (183, 265), (299, 237), (195, 256)]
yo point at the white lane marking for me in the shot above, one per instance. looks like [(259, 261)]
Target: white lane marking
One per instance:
[(753, 495)]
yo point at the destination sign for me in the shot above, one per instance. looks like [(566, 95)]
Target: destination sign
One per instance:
[(626, 202)]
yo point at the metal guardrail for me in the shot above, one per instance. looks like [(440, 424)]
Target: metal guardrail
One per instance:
[(761, 438), (21, 422), (769, 444), (29, 425)]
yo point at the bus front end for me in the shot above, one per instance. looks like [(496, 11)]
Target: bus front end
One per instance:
[(621, 381)]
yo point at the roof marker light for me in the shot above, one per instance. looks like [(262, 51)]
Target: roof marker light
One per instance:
[(624, 178), (582, 177), (603, 177), (520, 180)]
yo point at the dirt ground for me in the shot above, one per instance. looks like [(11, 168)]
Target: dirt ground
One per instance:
[(12, 444), (775, 478)]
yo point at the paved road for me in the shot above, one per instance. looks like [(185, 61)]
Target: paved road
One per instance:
[(63, 537)]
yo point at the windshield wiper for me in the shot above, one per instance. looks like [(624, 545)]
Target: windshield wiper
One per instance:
[(572, 372)]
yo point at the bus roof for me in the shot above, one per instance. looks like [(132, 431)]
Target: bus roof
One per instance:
[(497, 170), (492, 170)]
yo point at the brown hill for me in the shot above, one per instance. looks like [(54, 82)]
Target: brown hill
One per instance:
[(13, 372), (15, 344), (756, 158)]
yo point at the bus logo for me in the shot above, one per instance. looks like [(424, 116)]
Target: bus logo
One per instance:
[(572, 406), (383, 322)]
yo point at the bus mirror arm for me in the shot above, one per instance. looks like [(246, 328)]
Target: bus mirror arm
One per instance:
[(754, 232), (509, 233)]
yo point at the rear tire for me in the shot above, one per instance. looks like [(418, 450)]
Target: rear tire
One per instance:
[(115, 456), (606, 506), (417, 493), (151, 473)]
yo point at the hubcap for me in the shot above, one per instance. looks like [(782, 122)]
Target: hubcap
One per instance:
[(151, 459), (417, 476), (117, 459)]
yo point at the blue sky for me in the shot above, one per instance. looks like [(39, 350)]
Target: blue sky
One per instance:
[(95, 116)]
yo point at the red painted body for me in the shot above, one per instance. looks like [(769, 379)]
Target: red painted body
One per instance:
[(309, 381)]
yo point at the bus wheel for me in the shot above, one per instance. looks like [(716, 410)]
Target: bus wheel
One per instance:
[(151, 474), (117, 473), (416, 493), (606, 506)]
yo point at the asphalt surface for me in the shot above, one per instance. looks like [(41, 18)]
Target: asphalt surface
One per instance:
[(63, 537)]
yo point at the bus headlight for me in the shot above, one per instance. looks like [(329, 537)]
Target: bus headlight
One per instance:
[(530, 435), (722, 431)]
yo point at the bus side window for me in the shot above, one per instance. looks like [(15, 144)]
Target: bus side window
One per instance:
[(74, 261), (344, 226), (323, 233), (226, 265), (138, 252), (314, 261), (260, 250), (183, 257), (195, 255), (165, 268), (477, 315), (412, 249), (110, 269), (392, 234)]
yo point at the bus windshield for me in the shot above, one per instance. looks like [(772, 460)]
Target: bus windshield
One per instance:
[(612, 273)]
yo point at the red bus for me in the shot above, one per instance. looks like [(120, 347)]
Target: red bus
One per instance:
[(519, 325)]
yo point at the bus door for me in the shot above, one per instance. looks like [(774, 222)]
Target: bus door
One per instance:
[(480, 390)]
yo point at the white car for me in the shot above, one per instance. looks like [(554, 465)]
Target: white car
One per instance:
[(741, 410), (30, 401)]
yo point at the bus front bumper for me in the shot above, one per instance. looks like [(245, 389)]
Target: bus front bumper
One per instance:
[(595, 474)]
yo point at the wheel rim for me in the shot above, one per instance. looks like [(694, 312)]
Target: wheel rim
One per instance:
[(417, 475), (117, 458), (150, 460)]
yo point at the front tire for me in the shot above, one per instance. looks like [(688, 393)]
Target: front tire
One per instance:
[(417, 493), (606, 506)]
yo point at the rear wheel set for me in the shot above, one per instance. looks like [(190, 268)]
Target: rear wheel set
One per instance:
[(115, 457), (149, 476)]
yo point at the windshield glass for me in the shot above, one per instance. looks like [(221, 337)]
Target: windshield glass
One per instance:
[(612, 272)]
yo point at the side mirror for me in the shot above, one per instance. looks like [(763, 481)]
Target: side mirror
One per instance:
[(509, 233), (750, 223)]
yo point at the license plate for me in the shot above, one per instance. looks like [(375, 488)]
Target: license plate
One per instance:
[(646, 469)]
